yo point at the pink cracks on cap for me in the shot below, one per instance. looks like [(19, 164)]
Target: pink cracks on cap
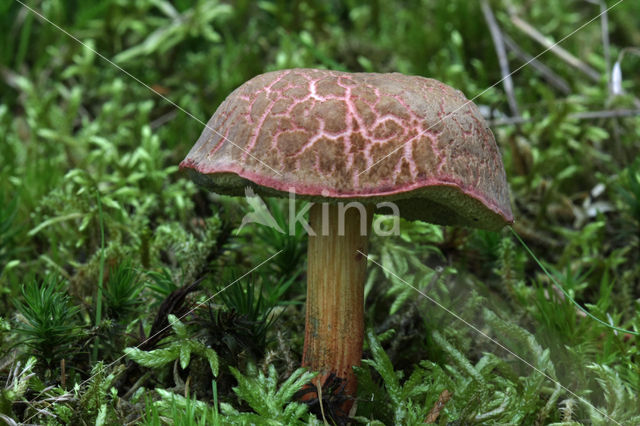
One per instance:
[(354, 136)]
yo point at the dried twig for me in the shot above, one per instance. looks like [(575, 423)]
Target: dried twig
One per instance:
[(498, 43), (604, 26), (529, 30), (444, 397), (613, 113), (63, 374), (8, 420), (587, 115), (163, 119), (136, 385), (551, 77)]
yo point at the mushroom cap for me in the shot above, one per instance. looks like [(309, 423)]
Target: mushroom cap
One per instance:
[(368, 137)]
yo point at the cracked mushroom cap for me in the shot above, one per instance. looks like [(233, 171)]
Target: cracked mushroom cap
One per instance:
[(330, 135)]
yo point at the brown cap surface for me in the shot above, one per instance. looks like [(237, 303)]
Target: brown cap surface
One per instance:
[(364, 137)]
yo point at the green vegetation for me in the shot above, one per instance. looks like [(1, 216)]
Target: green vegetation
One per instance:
[(114, 267)]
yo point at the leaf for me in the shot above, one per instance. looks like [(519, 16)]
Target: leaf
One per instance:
[(458, 357), (212, 357), (154, 358), (272, 403), (102, 415), (185, 355), (382, 364), (178, 327), (180, 401)]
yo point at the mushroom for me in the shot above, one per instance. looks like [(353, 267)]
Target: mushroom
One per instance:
[(361, 138)]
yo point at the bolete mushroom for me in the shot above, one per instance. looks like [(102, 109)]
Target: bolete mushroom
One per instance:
[(333, 137)]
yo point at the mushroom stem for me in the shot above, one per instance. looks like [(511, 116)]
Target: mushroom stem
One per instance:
[(336, 272)]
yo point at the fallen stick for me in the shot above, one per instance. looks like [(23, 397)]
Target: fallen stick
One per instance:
[(563, 54), (587, 115), (552, 78), (444, 397), (498, 43)]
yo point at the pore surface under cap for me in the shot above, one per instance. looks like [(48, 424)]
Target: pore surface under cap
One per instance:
[(357, 136)]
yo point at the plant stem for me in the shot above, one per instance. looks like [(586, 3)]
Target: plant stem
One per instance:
[(336, 273), (94, 354)]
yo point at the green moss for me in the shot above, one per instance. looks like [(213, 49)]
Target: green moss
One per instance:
[(72, 126)]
